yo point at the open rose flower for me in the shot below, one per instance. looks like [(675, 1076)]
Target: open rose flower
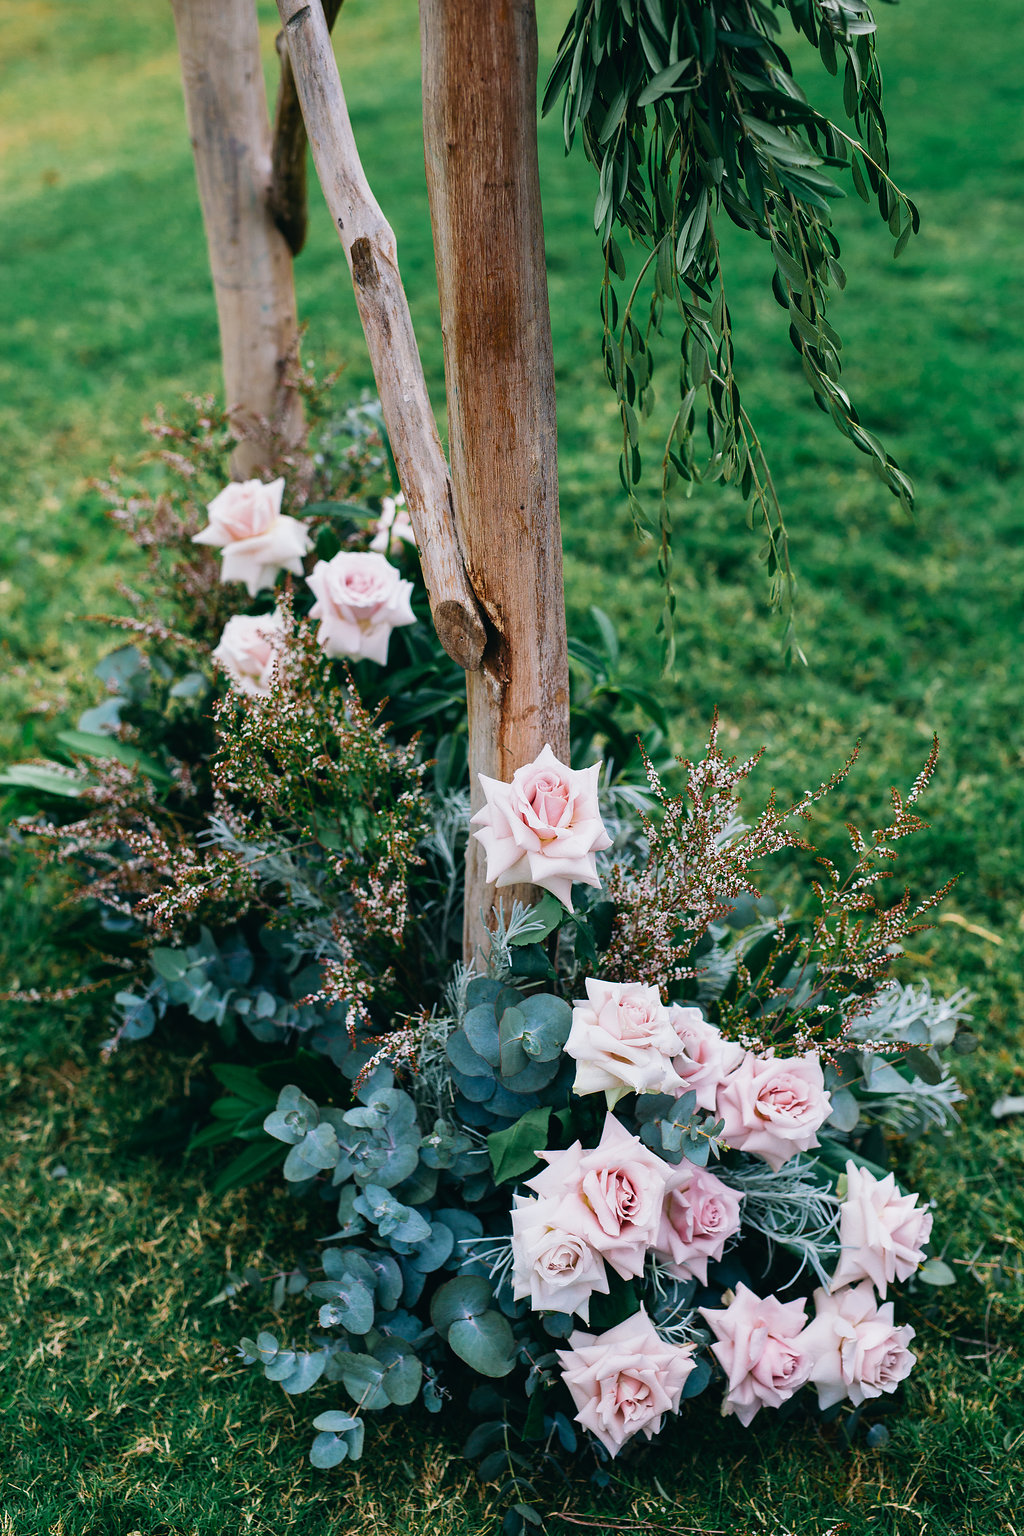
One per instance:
[(611, 1196), (254, 539), (856, 1350), (622, 1041), (774, 1108), (557, 1269), (624, 1381), (249, 650), (761, 1349), (699, 1216), (360, 599), (703, 1057), (394, 526), (883, 1233), (544, 827)]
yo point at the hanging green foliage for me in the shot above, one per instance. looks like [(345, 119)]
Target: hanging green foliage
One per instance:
[(689, 110)]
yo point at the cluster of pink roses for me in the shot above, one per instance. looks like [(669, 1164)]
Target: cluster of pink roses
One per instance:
[(613, 1205), (361, 597), (620, 1201), (625, 1040), (851, 1348)]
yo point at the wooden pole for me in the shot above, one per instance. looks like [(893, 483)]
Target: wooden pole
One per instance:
[(226, 109), (369, 245), (480, 134)]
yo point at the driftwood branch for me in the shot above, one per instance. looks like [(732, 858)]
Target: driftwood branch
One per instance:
[(288, 202), (369, 245), (226, 109), (480, 136)]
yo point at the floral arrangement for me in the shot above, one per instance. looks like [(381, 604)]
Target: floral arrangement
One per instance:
[(633, 1155)]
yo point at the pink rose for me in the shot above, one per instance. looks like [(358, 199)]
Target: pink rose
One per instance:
[(249, 650), (361, 598), (394, 526), (856, 1351), (611, 1196), (555, 1268), (622, 1040), (256, 541), (544, 827), (699, 1216), (883, 1234), (760, 1347), (703, 1058), (773, 1108), (625, 1380)]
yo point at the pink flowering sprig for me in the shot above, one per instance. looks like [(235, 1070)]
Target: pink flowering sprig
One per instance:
[(788, 987)]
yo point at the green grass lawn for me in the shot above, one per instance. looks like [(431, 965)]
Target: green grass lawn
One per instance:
[(124, 1409)]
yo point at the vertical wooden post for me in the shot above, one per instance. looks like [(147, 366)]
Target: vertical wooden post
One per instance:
[(480, 136), (226, 109)]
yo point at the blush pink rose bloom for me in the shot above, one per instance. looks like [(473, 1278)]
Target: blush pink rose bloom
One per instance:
[(855, 1348), (699, 1216), (703, 1057), (883, 1234), (544, 827), (394, 526), (249, 650), (360, 599), (254, 539), (611, 1196), (623, 1382), (774, 1107), (760, 1347), (556, 1269), (622, 1041)]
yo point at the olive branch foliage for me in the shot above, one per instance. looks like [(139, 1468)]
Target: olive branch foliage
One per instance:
[(690, 110)]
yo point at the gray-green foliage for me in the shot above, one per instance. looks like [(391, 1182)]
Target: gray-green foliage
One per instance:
[(910, 1091), (396, 1231), (673, 1129), (690, 110), (506, 1056), (226, 980)]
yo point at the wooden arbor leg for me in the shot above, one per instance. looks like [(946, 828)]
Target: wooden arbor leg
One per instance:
[(226, 109), (480, 136)]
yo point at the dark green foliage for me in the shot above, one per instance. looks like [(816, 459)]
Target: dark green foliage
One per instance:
[(689, 111)]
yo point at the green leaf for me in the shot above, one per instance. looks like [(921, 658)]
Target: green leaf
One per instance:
[(513, 1152), (548, 913), (89, 744), (662, 83), (935, 1272), (403, 1373), (305, 1374), (464, 1297), (254, 1163), (171, 964), (363, 1379), (485, 1342), (511, 1029), (46, 781)]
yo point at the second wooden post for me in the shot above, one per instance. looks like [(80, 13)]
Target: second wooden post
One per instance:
[(480, 137)]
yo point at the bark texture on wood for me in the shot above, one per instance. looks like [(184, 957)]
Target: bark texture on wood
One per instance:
[(369, 245), (480, 135), (226, 108), (288, 202)]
